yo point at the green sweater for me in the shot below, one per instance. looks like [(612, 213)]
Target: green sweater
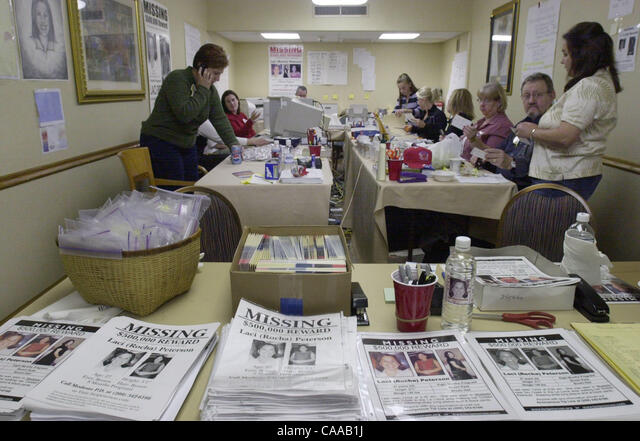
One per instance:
[(181, 107)]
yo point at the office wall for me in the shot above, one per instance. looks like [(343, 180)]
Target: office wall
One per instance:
[(420, 60), (616, 202), (31, 212)]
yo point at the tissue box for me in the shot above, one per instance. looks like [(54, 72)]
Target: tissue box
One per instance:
[(490, 298)]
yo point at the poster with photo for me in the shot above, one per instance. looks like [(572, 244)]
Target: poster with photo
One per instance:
[(41, 38), (156, 26), (285, 69), (626, 49)]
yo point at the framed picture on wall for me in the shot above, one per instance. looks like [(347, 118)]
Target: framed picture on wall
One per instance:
[(502, 44), (107, 50)]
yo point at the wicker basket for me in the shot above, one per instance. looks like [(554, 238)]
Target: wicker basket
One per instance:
[(139, 282)]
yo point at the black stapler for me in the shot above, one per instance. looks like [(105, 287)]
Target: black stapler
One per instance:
[(359, 303), (589, 303)]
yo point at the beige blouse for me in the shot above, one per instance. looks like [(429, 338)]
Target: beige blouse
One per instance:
[(591, 106)]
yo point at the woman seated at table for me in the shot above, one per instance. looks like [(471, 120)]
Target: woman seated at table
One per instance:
[(570, 138), (431, 121), (242, 126), (494, 127), (460, 103), (407, 99)]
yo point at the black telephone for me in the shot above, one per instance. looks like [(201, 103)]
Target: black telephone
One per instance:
[(589, 303), (201, 68)]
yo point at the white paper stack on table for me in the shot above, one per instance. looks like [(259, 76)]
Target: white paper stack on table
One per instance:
[(271, 366), (131, 370), (313, 176), (30, 349)]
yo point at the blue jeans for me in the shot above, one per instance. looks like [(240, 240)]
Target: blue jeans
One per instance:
[(583, 186), (170, 161)]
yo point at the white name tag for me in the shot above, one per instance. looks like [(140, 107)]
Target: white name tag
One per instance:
[(460, 122), (478, 153)]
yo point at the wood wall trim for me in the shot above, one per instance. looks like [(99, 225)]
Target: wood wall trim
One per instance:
[(622, 164), (32, 174)]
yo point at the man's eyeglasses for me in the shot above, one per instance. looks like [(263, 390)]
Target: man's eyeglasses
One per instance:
[(535, 96)]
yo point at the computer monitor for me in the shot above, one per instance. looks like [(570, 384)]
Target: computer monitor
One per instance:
[(294, 117)]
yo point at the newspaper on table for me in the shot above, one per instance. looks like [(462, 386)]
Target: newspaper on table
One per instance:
[(426, 376), (30, 349), (551, 374), (271, 366), (515, 272), (131, 370)]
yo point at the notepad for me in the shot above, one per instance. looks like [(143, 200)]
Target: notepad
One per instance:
[(618, 344)]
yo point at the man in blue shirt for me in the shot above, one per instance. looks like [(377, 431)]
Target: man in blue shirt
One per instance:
[(512, 158)]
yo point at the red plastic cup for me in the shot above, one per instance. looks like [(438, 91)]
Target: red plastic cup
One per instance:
[(395, 167), (413, 304), (315, 150)]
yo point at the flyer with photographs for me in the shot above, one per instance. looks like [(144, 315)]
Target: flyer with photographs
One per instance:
[(156, 26), (132, 370), (615, 290), (285, 69), (551, 374), (29, 351), (425, 376), (515, 272), (275, 366)]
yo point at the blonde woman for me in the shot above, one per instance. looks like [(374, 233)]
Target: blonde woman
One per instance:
[(494, 126), (431, 121)]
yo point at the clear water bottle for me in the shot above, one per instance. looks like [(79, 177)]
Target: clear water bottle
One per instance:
[(581, 229), (288, 153), (457, 302)]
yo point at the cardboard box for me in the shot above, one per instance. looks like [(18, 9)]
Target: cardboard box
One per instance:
[(489, 298), (320, 293)]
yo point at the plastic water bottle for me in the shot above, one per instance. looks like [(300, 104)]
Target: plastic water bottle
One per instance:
[(457, 304), (581, 229), (288, 153)]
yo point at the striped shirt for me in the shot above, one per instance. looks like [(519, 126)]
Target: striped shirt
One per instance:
[(408, 103)]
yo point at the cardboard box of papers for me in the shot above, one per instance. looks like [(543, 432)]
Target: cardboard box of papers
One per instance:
[(319, 293), (541, 294)]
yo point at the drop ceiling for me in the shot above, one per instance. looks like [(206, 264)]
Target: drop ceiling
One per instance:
[(339, 37)]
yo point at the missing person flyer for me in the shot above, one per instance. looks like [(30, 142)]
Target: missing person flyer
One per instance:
[(423, 376), (551, 374)]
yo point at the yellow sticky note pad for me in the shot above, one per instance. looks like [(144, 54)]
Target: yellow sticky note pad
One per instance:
[(351, 96), (334, 96), (325, 97), (366, 96)]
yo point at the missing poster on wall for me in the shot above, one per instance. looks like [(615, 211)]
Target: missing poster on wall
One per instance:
[(53, 133), (285, 64), (156, 26)]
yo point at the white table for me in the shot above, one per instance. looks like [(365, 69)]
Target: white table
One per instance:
[(271, 204), (368, 198)]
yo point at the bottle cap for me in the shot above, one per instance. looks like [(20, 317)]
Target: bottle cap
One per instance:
[(463, 243), (583, 217)]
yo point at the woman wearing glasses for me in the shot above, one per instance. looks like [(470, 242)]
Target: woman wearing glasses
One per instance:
[(494, 127), (570, 138)]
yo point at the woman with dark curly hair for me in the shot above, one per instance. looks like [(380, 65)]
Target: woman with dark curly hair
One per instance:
[(570, 138)]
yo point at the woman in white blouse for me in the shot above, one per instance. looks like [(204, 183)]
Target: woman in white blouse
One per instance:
[(570, 139)]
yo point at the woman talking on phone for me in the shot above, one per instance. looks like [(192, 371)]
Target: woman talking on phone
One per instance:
[(186, 99)]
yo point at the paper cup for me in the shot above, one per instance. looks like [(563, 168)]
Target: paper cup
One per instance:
[(454, 164), (413, 304), (395, 167)]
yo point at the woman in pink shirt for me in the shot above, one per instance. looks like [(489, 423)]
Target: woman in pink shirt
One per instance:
[(494, 127)]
